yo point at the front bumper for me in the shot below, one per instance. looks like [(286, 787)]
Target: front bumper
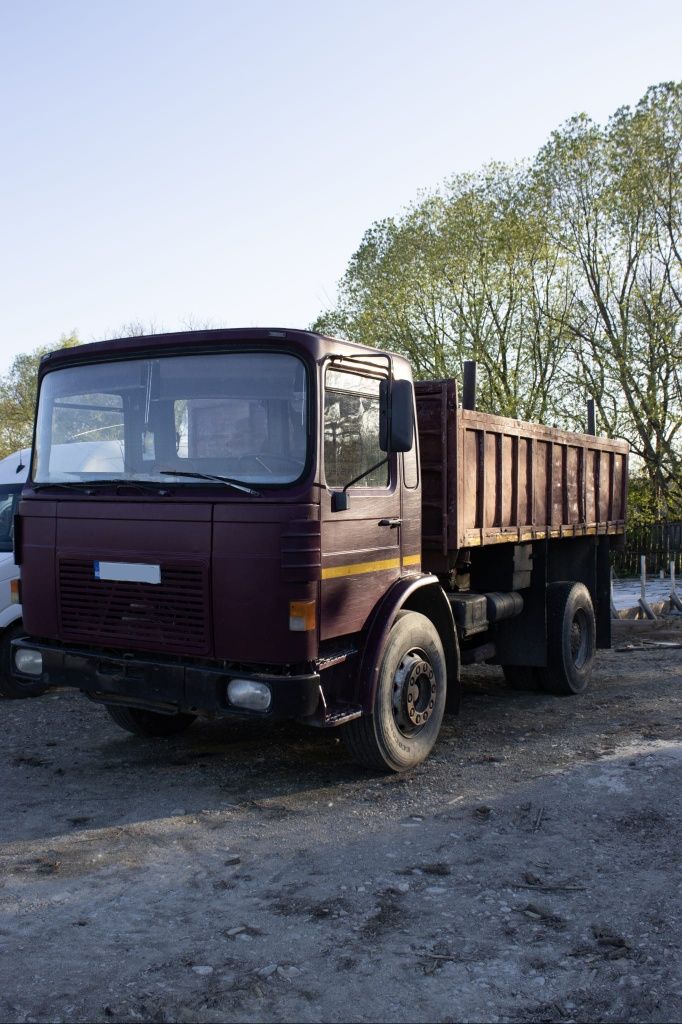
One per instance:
[(164, 685)]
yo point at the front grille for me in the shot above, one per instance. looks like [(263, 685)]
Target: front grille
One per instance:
[(169, 616)]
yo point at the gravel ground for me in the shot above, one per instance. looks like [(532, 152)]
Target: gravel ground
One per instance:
[(529, 871)]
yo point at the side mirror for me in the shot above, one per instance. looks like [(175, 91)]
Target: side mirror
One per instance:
[(396, 428), (340, 501)]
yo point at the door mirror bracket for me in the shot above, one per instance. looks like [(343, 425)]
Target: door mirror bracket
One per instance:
[(341, 499)]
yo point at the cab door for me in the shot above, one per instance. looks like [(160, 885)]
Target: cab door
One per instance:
[(361, 546)]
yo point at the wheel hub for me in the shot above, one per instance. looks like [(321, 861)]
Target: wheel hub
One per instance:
[(414, 692), (579, 639)]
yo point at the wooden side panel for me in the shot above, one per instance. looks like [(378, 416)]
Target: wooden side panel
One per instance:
[(437, 423), (490, 474), (541, 482), (558, 491), (619, 476), (512, 481), (470, 473), (590, 490), (525, 481), (508, 482), (573, 485), (602, 481), (432, 445)]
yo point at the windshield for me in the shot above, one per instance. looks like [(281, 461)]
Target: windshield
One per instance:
[(9, 496), (238, 415)]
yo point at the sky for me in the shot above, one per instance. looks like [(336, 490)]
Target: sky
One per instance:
[(214, 162)]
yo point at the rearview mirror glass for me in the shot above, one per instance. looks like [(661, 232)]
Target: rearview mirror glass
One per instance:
[(396, 430)]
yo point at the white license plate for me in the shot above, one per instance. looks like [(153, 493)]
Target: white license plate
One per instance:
[(128, 572)]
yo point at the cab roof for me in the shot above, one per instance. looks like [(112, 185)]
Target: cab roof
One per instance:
[(318, 345)]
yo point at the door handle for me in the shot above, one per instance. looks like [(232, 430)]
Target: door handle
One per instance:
[(390, 522)]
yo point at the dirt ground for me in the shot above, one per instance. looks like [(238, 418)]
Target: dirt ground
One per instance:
[(529, 871)]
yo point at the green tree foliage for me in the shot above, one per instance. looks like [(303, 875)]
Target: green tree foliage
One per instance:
[(643, 504), (464, 275), (561, 277), (18, 396), (613, 198)]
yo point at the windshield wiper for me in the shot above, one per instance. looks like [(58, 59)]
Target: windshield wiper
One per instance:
[(67, 485), (116, 482), (237, 484)]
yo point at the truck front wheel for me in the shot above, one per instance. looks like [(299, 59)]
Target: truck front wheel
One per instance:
[(571, 638), (149, 723), (409, 702)]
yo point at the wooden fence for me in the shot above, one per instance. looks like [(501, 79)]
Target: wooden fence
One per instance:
[(661, 543)]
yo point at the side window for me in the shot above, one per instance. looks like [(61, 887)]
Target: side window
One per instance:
[(351, 430), (8, 506)]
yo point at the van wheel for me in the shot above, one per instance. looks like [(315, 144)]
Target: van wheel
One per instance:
[(571, 638), (409, 702), (149, 723), (10, 686)]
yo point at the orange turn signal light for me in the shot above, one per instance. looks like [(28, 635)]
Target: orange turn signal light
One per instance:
[(301, 616), (15, 592)]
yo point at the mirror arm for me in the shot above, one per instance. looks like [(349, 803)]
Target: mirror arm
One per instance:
[(341, 499), (366, 473)]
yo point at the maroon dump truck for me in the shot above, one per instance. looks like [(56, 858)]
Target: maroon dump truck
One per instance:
[(273, 523)]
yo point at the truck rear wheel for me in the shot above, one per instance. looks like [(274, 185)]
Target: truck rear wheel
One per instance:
[(11, 687), (409, 702), (571, 638), (149, 723)]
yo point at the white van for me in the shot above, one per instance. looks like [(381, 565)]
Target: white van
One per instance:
[(13, 474), (97, 456)]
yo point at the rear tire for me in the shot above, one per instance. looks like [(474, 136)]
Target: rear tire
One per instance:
[(149, 723), (409, 702), (571, 638), (15, 689)]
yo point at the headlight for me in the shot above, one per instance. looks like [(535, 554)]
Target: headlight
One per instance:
[(28, 662), (246, 693)]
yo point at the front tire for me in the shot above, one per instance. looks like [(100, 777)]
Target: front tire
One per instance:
[(571, 638), (409, 703), (15, 689), (149, 723)]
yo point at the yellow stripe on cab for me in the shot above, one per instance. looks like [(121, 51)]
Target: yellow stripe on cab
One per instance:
[(358, 568)]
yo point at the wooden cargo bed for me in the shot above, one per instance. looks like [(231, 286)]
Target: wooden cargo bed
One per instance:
[(489, 479)]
